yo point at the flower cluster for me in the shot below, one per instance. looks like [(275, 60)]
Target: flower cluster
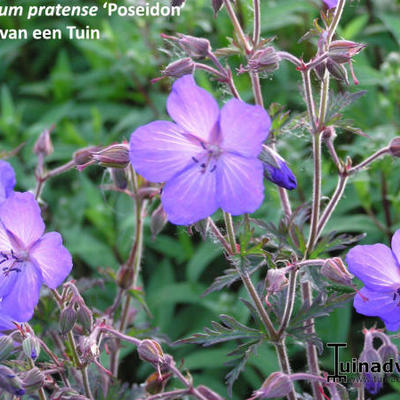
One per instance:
[(28, 257)]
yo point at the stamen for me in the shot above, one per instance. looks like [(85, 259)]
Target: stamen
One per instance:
[(195, 159), (213, 168), (203, 165), (203, 146), (394, 296)]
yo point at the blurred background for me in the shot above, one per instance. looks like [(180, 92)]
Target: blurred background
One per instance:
[(98, 92)]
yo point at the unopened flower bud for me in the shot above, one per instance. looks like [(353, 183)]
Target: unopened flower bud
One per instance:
[(83, 156), (115, 156), (149, 350), (341, 51), (338, 71), (33, 380), (208, 393), (158, 220), (89, 348), (176, 69), (85, 317), (277, 384), (394, 147), (31, 347), (193, 46), (10, 382), (43, 145), (67, 319), (264, 60), (329, 133), (202, 227), (388, 352), (125, 277), (276, 279), (6, 347), (156, 383), (119, 178), (335, 270)]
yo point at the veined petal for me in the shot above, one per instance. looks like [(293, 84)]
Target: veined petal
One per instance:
[(396, 245), (5, 243), (192, 107), (240, 186), (20, 214), (22, 300), (244, 128), (161, 149), (375, 265), (7, 180), (331, 3), (379, 304), (8, 276), (53, 259), (190, 196), (5, 321)]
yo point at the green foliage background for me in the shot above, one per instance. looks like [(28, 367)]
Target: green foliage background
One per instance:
[(98, 92)]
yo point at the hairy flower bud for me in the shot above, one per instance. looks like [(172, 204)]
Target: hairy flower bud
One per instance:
[(119, 178), (31, 347), (208, 394), (341, 51), (67, 319), (338, 71), (85, 317), (115, 156), (6, 347), (149, 350), (264, 60), (33, 380), (388, 352), (394, 147), (83, 156), (125, 277), (158, 220), (156, 382), (43, 145), (277, 384), (10, 382), (335, 270), (179, 68), (193, 46)]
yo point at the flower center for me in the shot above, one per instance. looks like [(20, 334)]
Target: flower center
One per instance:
[(207, 160), (10, 261)]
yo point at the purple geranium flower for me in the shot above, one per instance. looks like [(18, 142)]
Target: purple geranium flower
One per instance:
[(208, 157), (27, 256), (7, 180), (378, 267), (331, 3)]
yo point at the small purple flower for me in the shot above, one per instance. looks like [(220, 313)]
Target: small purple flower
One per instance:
[(331, 3), (378, 267), (208, 157), (372, 384), (27, 256), (7, 180), (281, 175)]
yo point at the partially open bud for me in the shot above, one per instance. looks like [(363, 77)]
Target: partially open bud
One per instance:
[(264, 60), (341, 51), (10, 382), (388, 352), (43, 145), (158, 220), (193, 46), (277, 384), (125, 277), (335, 270), (67, 319), (31, 347), (179, 68), (208, 393), (115, 156), (33, 380), (149, 350), (394, 147), (6, 347)]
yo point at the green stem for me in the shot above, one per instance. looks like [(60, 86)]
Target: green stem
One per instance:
[(230, 231)]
